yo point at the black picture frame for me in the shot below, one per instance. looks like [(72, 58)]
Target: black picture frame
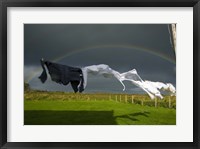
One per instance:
[(4, 4)]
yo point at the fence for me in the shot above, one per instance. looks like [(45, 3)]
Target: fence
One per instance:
[(144, 100)]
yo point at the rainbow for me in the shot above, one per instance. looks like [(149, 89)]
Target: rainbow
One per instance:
[(135, 47)]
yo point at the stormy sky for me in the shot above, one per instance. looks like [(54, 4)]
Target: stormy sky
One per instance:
[(144, 47)]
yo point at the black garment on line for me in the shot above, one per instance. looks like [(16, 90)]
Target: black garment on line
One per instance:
[(63, 74)]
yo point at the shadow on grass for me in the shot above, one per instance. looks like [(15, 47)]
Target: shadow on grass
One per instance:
[(134, 115), (47, 117)]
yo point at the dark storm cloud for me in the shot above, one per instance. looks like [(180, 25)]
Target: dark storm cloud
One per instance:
[(112, 44), (53, 40)]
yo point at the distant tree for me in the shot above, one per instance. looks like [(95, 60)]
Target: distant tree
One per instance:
[(26, 87)]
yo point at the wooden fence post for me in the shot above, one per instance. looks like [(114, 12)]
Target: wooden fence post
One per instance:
[(120, 98), (132, 98), (116, 98), (156, 103), (169, 102)]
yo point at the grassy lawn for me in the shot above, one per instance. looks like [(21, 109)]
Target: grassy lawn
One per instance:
[(83, 112)]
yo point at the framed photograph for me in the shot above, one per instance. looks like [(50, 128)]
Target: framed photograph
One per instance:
[(85, 74)]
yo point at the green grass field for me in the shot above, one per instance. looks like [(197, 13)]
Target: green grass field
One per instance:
[(56, 108)]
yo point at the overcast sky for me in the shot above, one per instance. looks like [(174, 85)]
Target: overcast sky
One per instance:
[(144, 47)]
